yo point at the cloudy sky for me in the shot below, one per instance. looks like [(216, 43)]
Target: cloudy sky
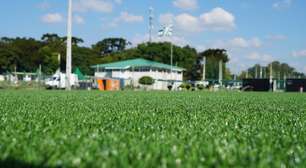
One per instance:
[(253, 31)]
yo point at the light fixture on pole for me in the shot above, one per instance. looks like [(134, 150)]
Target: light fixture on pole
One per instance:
[(69, 48), (167, 31)]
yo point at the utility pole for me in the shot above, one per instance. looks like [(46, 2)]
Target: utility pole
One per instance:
[(271, 77), (220, 72), (171, 60), (59, 62), (69, 48), (204, 68), (261, 72)]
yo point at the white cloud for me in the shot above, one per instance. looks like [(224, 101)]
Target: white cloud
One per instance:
[(255, 42), (79, 19), (301, 53), (237, 43), (127, 18), (93, 5), (130, 18), (177, 40), (44, 5), (281, 4), (218, 19), (188, 23), (118, 1), (277, 37), (261, 58), (166, 19), (186, 4), (52, 18)]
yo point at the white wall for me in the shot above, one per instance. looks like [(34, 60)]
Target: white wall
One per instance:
[(2, 78), (161, 78), (137, 75)]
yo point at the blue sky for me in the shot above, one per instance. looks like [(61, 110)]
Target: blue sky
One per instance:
[(252, 31)]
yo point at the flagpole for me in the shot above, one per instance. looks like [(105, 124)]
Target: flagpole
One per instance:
[(167, 32)]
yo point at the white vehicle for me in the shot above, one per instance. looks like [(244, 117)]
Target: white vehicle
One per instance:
[(2, 78), (58, 81), (27, 78)]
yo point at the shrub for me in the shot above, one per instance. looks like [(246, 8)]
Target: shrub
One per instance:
[(146, 80), (200, 86), (188, 86)]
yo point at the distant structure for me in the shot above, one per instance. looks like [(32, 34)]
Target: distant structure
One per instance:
[(130, 71), (151, 24)]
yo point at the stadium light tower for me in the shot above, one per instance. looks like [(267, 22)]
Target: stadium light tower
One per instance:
[(69, 49)]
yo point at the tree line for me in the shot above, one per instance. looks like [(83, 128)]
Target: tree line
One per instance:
[(276, 69), (49, 52)]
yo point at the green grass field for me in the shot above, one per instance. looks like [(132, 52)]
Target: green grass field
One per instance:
[(152, 129)]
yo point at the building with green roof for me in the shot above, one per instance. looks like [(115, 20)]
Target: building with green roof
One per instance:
[(132, 70)]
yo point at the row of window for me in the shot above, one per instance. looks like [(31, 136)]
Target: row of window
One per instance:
[(136, 70)]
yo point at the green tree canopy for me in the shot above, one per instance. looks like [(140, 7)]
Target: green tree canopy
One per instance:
[(111, 45), (213, 56)]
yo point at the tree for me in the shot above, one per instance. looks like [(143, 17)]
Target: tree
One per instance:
[(184, 57), (279, 71), (83, 58), (75, 41), (111, 45), (215, 64), (50, 38)]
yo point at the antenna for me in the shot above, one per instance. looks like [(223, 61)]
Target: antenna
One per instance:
[(151, 27)]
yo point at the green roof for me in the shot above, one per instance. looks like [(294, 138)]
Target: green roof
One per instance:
[(140, 62), (79, 74)]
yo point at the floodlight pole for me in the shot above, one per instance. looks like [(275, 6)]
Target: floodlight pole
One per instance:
[(261, 72), (204, 68), (271, 77), (220, 72), (69, 48)]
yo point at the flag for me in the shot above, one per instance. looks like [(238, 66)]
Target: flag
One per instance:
[(166, 31)]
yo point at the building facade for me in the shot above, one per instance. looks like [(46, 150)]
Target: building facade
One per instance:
[(132, 70)]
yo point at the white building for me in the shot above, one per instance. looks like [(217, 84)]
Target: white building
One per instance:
[(132, 70), (2, 78)]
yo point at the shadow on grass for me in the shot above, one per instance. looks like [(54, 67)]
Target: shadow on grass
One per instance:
[(13, 163)]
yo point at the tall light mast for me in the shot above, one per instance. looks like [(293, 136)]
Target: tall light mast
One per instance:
[(69, 48), (151, 27)]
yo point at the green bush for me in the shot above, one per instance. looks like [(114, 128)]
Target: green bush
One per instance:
[(146, 80), (188, 86), (200, 86)]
